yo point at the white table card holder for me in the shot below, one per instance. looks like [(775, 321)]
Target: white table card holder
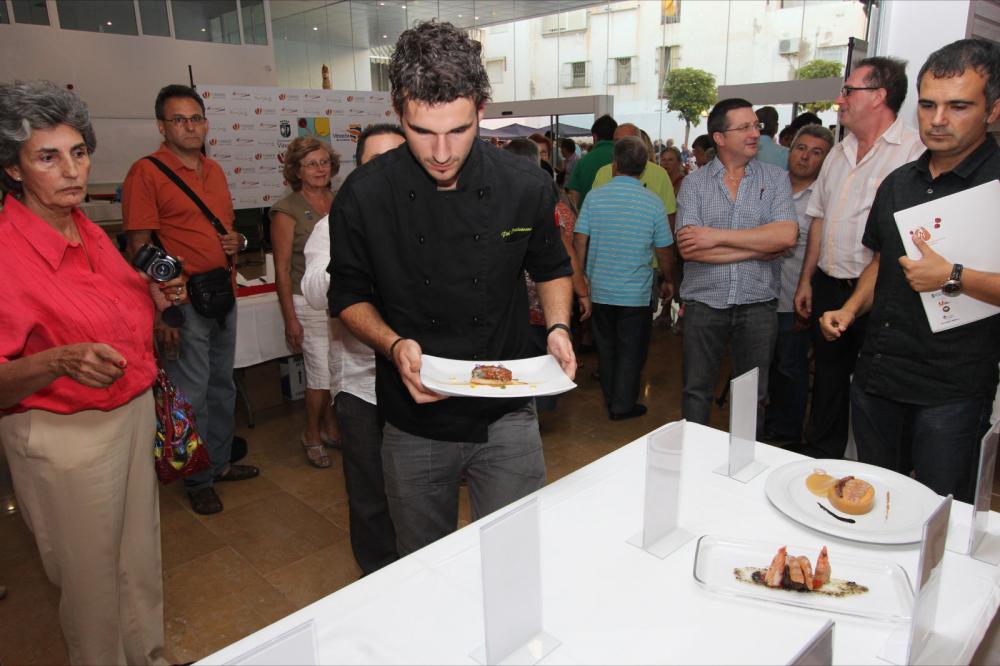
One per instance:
[(295, 646), (742, 429), (510, 548), (981, 544), (661, 532), (906, 643), (818, 650)]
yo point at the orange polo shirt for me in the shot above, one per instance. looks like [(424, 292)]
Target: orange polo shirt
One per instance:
[(150, 201)]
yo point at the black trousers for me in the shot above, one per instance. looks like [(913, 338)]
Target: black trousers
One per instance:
[(373, 538), (621, 335), (826, 431)]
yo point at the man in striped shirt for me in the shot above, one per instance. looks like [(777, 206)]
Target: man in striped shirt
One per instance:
[(620, 226), (735, 218), (876, 144)]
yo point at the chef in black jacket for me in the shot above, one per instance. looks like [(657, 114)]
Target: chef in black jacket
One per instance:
[(428, 245)]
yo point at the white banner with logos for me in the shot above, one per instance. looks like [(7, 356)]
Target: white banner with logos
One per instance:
[(250, 128)]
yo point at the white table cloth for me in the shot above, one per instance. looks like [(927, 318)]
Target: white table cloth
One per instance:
[(260, 330), (609, 602)]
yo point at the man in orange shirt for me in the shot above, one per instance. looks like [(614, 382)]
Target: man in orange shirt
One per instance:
[(198, 355)]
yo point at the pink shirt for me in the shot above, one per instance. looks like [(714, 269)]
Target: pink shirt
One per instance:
[(52, 298)]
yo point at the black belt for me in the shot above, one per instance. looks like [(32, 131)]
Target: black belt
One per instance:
[(850, 283)]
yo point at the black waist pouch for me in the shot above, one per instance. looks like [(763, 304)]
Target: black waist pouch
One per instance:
[(211, 293)]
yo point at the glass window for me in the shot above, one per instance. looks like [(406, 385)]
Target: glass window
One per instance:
[(575, 75), (670, 11), (495, 67), (31, 11), (206, 21), (254, 26), (153, 15), (380, 74), (620, 71), (113, 16)]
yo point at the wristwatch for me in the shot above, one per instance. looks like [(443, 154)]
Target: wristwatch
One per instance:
[(953, 285), (244, 243)]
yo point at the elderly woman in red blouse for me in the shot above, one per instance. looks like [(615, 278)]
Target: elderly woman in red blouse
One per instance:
[(76, 366)]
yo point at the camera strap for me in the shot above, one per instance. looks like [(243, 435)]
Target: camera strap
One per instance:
[(169, 173)]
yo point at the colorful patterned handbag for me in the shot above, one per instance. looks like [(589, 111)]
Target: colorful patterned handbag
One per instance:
[(178, 449)]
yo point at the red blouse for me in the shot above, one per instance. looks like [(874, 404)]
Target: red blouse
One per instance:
[(52, 298)]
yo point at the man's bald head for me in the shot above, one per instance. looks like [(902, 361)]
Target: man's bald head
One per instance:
[(626, 129)]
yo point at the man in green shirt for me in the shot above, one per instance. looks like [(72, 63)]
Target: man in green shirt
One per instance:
[(654, 178), (582, 178)]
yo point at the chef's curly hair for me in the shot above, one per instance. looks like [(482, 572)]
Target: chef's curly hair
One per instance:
[(436, 63)]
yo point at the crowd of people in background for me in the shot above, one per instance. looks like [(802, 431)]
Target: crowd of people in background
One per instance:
[(764, 244)]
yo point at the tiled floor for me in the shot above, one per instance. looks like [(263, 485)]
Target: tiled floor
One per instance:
[(282, 541)]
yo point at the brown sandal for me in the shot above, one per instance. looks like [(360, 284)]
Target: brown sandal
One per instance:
[(315, 454)]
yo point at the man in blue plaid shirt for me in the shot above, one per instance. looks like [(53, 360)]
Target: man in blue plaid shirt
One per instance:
[(735, 218)]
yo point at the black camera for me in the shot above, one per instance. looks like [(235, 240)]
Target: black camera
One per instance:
[(156, 263)]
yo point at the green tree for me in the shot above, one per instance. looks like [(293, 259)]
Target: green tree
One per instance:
[(689, 92), (819, 69)]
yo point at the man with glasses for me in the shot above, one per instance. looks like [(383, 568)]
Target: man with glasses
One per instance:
[(920, 400), (735, 219), (877, 143), (198, 354)]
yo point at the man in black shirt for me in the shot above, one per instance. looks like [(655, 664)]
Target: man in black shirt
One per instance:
[(428, 245), (922, 400)]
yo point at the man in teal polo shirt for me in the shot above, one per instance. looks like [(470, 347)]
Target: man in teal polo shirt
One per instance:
[(620, 227), (582, 178)]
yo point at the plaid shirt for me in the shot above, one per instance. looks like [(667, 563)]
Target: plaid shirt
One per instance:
[(765, 196)]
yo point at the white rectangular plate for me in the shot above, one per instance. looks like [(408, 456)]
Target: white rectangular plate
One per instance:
[(542, 376), (889, 597)]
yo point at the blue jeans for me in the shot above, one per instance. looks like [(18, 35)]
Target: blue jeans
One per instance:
[(939, 442), (788, 381), (373, 539), (621, 335), (422, 476), (204, 374), (750, 332)]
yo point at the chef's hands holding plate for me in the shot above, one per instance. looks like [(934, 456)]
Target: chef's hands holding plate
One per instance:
[(561, 347), (407, 357)]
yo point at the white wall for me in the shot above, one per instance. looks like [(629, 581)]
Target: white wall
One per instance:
[(912, 30), (119, 75)]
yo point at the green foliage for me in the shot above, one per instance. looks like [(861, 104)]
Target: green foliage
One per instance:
[(689, 91), (820, 69)]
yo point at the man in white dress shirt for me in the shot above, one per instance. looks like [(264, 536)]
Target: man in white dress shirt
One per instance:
[(352, 385), (876, 144)]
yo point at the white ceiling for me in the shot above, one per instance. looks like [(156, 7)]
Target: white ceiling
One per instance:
[(365, 23)]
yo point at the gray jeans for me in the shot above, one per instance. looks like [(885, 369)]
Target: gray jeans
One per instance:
[(422, 476), (749, 330), (204, 374)]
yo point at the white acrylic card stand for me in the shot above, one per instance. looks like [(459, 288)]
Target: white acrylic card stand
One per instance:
[(510, 547), (661, 533), (907, 642), (742, 429)]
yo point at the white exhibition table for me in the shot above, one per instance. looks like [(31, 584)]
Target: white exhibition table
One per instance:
[(260, 330), (610, 602)]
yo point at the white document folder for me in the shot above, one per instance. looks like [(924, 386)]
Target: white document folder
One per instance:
[(964, 228)]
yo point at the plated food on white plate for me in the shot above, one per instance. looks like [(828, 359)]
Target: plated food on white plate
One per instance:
[(852, 500), (526, 377)]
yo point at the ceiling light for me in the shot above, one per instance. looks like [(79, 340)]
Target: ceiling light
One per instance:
[(459, 16), (385, 36), (402, 6), (203, 29), (315, 27), (109, 22), (476, 18)]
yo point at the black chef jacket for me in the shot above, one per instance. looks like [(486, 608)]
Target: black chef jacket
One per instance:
[(445, 268), (901, 359)]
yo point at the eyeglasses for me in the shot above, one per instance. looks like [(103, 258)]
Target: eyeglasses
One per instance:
[(746, 128), (847, 90), (316, 164), (178, 121)]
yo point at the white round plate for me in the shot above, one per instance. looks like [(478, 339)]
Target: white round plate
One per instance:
[(910, 502)]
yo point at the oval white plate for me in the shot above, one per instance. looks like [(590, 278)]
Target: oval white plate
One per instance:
[(910, 502), (542, 376)]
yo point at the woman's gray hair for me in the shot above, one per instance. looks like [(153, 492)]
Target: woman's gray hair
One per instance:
[(31, 105)]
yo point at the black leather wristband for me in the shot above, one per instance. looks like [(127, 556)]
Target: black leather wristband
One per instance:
[(555, 326), (392, 347)]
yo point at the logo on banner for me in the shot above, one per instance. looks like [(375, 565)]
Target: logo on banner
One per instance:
[(311, 97), (267, 168), (266, 197), (206, 94), (240, 94), (350, 98), (289, 109), (237, 170), (264, 98), (258, 111), (354, 131), (222, 156), (286, 129), (267, 126), (215, 109), (355, 112), (258, 156), (328, 112), (236, 126), (244, 141), (250, 183)]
